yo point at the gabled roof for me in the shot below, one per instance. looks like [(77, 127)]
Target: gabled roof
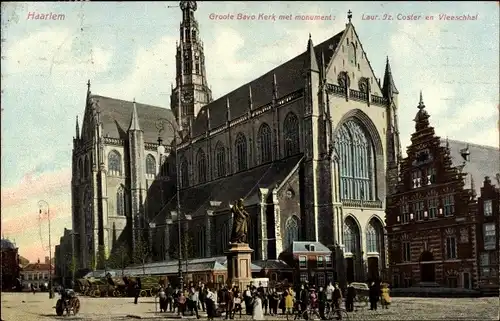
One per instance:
[(116, 117), (272, 264), (196, 200), (289, 78), (306, 247), (483, 161), (37, 267)]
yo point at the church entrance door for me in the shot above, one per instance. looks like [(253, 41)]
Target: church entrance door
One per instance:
[(427, 267), (350, 269), (373, 273)]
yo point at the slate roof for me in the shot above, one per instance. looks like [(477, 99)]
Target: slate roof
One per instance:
[(289, 78), (246, 184), (37, 267), (272, 264), (304, 247), (116, 115), (484, 161)]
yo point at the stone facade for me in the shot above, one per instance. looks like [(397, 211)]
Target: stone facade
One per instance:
[(305, 146)]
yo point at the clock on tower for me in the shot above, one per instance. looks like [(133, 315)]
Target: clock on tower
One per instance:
[(187, 97)]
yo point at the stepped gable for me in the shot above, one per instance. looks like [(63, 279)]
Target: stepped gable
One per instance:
[(116, 114), (196, 200), (289, 78), (483, 161)]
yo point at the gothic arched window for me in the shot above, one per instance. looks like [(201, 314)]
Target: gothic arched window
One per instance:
[(201, 241), (120, 201), (150, 166), (184, 173), (371, 239), (201, 161), (241, 152), (356, 162), (351, 236), (220, 160), (265, 143), (351, 53), (87, 167), (114, 163), (291, 134), (81, 169), (291, 231)]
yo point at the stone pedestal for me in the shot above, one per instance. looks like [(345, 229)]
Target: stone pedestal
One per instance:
[(239, 265)]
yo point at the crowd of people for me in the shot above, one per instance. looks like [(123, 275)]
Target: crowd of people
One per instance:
[(259, 301)]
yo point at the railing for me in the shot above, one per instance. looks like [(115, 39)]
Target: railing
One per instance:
[(362, 203), (355, 95)]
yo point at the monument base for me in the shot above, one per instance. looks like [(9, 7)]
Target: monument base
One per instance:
[(239, 265)]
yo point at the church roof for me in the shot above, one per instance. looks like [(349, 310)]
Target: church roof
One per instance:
[(196, 200), (483, 161), (116, 117), (289, 77)]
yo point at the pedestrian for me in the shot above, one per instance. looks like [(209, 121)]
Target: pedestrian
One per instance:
[(170, 297), (202, 296), (193, 300), (210, 304), (247, 296), (349, 299), (385, 296), (262, 291), (138, 287), (273, 299), (181, 303), (329, 294), (288, 298), (374, 294), (237, 302), (337, 299), (322, 302), (163, 299), (258, 312), (303, 298)]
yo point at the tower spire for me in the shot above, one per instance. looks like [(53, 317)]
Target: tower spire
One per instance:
[(311, 63), (134, 122), (77, 128), (389, 88), (422, 117)]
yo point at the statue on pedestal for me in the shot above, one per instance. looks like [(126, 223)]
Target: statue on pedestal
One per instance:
[(239, 231)]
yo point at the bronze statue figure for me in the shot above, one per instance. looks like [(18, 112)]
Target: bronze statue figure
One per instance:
[(240, 223)]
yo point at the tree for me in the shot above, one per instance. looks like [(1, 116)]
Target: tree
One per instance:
[(119, 258), (141, 253)]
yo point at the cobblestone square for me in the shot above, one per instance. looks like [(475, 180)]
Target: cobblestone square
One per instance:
[(29, 307)]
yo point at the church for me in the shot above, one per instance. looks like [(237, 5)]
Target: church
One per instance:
[(312, 147)]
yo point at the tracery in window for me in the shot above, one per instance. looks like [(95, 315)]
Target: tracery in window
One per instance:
[(120, 201), (351, 236), (114, 163), (184, 173), (291, 231), (291, 134), (265, 143), (356, 155), (241, 152), (220, 160), (201, 161), (150, 166)]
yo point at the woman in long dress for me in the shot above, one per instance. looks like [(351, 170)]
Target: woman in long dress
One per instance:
[(258, 313)]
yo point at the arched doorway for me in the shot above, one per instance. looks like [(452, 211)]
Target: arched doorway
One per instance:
[(427, 267), (352, 247), (374, 247)]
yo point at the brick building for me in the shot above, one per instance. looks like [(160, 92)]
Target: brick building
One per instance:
[(431, 218), (487, 236)]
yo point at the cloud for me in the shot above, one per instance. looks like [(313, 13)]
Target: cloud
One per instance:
[(53, 51), (36, 185)]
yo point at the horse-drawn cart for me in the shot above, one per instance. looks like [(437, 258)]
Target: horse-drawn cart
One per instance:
[(70, 303), (362, 294)]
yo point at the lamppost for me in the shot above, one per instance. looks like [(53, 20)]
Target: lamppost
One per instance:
[(44, 204), (160, 125), (179, 219)]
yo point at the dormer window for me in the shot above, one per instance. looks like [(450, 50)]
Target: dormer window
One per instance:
[(312, 248)]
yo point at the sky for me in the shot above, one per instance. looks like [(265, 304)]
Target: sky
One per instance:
[(127, 51)]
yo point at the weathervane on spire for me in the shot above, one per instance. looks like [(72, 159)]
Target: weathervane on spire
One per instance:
[(421, 102), (349, 15)]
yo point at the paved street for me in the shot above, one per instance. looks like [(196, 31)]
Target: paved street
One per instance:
[(29, 307)]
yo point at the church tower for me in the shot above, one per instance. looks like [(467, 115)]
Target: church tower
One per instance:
[(394, 153), (191, 90)]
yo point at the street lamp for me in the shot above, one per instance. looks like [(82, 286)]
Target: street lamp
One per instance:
[(179, 220), (160, 125), (44, 204)]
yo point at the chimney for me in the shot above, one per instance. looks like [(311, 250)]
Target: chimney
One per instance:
[(38, 261)]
